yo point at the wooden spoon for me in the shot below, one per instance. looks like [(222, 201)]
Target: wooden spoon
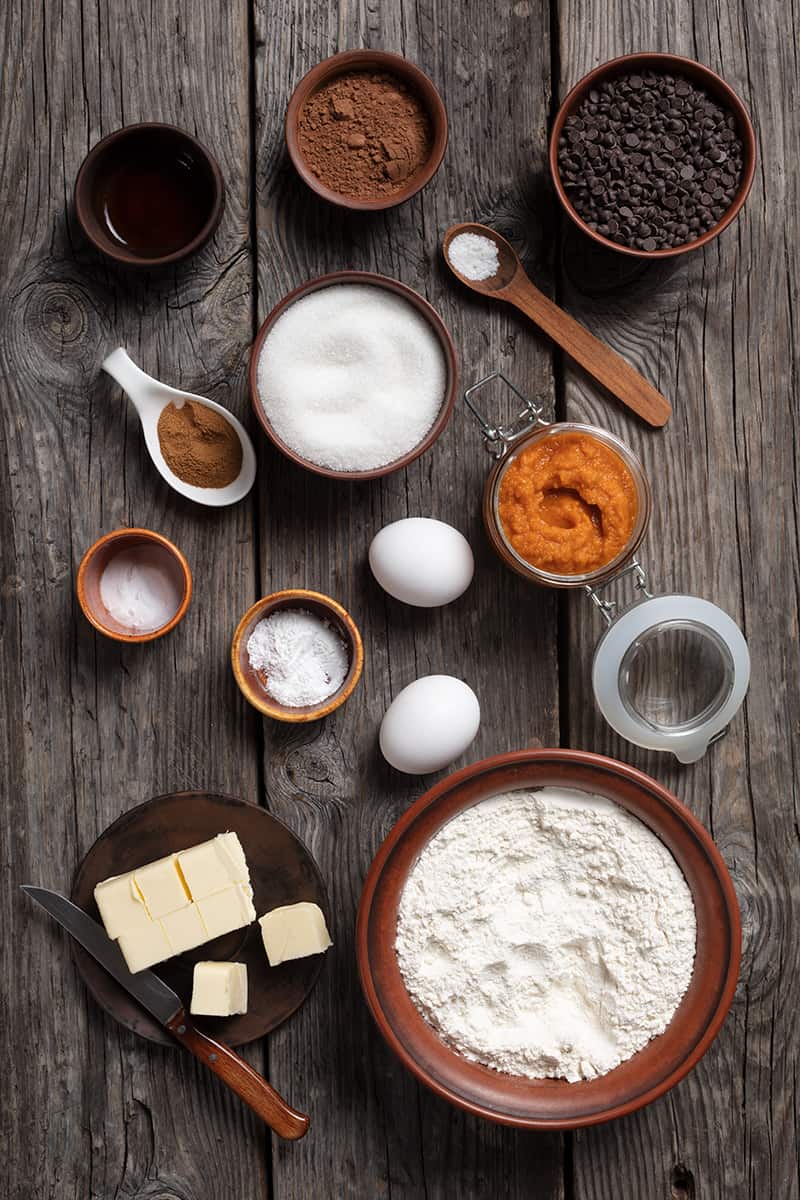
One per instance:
[(604, 364)]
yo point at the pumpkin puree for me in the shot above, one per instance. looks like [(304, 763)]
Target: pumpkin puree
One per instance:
[(568, 504)]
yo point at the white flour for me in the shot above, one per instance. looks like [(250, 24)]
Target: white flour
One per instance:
[(302, 658), (546, 933)]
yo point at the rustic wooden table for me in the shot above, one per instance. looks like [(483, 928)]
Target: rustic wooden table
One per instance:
[(90, 729)]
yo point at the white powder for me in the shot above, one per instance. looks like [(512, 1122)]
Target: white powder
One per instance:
[(474, 256), (351, 377), (139, 589), (302, 658), (546, 934)]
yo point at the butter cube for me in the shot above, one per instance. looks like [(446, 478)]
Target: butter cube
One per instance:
[(144, 947), (213, 866), (294, 931), (219, 989), (184, 929), (228, 910), (162, 887), (121, 904)]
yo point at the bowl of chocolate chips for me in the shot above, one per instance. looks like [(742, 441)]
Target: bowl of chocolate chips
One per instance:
[(652, 154)]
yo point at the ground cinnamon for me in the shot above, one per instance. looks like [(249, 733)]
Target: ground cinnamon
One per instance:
[(199, 445), (365, 134)]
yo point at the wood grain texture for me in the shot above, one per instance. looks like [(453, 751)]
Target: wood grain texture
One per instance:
[(88, 728), (379, 1136), (92, 727), (718, 336)]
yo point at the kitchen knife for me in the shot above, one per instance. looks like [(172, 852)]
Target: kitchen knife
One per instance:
[(159, 1000)]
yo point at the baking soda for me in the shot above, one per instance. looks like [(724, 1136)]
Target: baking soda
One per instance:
[(351, 377), (301, 658), (139, 591)]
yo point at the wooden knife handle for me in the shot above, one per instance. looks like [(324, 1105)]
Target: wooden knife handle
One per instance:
[(240, 1077), (601, 362)]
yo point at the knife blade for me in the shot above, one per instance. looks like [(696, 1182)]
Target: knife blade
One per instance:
[(145, 986), (160, 1000)]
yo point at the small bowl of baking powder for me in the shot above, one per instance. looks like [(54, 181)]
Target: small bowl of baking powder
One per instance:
[(134, 585), (297, 655)]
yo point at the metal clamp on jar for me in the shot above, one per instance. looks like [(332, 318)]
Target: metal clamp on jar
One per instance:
[(669, 672)]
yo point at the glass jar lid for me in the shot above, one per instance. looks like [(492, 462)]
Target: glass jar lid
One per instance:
[(670, 673)]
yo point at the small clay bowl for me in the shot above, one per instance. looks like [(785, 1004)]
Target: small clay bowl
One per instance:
[(249, 681), (552, 1103), (421, 305), (672, 64), (97, 558), (368, 60), (155, 146)]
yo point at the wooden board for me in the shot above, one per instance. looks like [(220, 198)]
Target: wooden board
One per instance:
[(89, 728)]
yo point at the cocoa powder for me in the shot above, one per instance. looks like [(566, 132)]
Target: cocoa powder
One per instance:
[(199, 445), (364, 134)]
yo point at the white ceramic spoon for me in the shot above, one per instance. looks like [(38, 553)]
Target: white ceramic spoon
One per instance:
[(149, 398)]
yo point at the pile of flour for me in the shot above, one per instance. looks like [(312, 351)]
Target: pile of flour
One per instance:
[(546, 933)]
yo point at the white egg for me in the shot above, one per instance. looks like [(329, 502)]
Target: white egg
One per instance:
[(421, 561), (429, 724)]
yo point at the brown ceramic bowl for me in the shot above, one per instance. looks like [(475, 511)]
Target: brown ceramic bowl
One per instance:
[(552, 1103), (153, 145), (282, 871), (701, 76), (422, 306), (97, 558), (368, 60), (322, 606)]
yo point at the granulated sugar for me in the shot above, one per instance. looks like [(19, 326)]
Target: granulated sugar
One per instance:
[(351, 377), (301, 658), (546, 934), (474, 256)]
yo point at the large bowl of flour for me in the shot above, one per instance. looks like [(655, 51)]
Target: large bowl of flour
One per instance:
[(549, 939), (353, 375)]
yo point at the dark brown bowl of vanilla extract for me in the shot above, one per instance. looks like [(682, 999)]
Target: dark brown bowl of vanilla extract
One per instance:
[(149, 194)]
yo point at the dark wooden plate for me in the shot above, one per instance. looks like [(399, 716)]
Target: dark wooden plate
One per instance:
[(282, 872), (552, 1103)]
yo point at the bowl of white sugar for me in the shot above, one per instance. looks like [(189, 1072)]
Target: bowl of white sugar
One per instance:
[(549, 939), (353, 375)]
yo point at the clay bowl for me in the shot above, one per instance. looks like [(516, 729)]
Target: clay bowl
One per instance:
[(368, 60), (430, 315), (156, 147), (701, 76), (97, 558), (552, 1103), (322, 606)]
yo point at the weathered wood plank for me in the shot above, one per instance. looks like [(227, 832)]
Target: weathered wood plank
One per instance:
[(717, 335), (92, 728), (377, 1134)]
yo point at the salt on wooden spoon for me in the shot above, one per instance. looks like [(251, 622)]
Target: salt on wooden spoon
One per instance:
[(509, 282), (150, 397)]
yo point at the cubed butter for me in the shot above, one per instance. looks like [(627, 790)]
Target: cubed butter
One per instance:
[(145, 947), (184, 929), (228, 910), (219, 989), (294, 931), (122, 907), (213, 866), (162, 886)]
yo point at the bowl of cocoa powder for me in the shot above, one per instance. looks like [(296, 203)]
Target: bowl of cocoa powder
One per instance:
[(366, 129)]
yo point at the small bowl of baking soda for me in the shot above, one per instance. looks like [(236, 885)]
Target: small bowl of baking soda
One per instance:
[(297, 655), (134, 585)]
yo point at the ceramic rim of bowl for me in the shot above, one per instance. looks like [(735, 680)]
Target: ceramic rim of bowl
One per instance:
[(698, 73), (421, 305), (363, 60)]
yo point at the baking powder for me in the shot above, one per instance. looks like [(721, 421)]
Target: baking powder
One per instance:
[(139, 590), (302, 658), (547, 934)]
